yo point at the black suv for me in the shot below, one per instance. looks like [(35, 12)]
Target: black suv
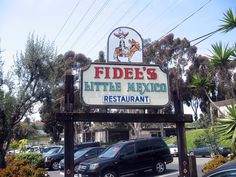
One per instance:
[(51, 161), (133, 156)]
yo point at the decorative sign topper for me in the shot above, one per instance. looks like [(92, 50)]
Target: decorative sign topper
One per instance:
[(124, 85), (125, 45)]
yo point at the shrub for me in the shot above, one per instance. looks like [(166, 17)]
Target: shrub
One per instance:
[(33, 158), (21, 168), (214, 163)]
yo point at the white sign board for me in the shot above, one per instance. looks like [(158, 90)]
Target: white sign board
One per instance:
[(125, 45), (124, 85)]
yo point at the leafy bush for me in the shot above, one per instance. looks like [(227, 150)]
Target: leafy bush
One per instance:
[(33, 158), (21, 168), (214, 163)]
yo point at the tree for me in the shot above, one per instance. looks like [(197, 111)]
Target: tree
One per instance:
[(226, 126), (174, 55), (229, 21), (31, 74), (70, 62)]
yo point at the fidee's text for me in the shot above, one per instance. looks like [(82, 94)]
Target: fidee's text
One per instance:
[(138, 73)]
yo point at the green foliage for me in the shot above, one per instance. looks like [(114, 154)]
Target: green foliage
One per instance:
[(21, 168), (221, 54), (227, 126), (14, 144), (208, 136), (229, 21), (34, 159), (191, 135), (22, 144)]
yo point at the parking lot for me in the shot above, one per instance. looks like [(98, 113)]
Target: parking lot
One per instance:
[(172, 170)]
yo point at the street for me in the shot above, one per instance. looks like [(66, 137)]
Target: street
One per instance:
[(171, 170)]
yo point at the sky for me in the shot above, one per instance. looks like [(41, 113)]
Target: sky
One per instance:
[(84, 25)]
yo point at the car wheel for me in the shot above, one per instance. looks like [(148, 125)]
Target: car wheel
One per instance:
[(55, 166), (109, 174), (159, 167), (76, 169)]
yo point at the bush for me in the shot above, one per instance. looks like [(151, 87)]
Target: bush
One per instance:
[(21, 168), (214, 163), (34, 159)]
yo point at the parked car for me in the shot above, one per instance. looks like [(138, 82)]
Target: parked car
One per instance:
[(226, 170), (52, 160), (207, 151), (81, 155), (173, 149), (54, 150), (133, 156)]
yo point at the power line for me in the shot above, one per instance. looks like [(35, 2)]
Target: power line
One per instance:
[(108, 31), (91, 22), (206, 36), (128, 10), (102, 24), (141, 11), (186, 19), (168, 9), (63, 26), (77, 25)]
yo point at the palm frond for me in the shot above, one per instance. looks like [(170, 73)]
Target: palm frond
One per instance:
[(229, 21), (221, 55)]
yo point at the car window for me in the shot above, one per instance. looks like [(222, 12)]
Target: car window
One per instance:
[(111, 152), (91, 153), (52, 151), (80, 153), (127, 150), (157, 143), (100, 150), (231, 173), (142, 146)]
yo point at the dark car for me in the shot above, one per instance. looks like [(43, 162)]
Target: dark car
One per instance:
[(226, 170), (207, 151), (133, 156), (81, 155), (51, 160)]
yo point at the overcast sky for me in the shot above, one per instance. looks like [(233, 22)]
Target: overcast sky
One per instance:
[(84, 25)]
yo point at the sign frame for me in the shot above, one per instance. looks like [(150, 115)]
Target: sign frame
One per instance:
[(122, 106), (137, 37)]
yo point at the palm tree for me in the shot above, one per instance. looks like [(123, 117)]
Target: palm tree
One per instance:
[(222, 64), (229, 21), (227, 126), (204, 83)]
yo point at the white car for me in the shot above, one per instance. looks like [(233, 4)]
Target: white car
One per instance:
[(173, 149)]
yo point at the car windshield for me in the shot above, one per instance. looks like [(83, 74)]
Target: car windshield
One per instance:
[(110, 152), (80, 153), (52, 151)]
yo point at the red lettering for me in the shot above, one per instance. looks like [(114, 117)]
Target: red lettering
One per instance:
[(98, 71), (151, 72), (117, 73), (128, 73), (107, 74), (138, 74)]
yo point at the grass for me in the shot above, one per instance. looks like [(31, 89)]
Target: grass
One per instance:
[(191, 135)]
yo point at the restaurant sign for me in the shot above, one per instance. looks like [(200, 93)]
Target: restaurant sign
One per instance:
[(124, 85)]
